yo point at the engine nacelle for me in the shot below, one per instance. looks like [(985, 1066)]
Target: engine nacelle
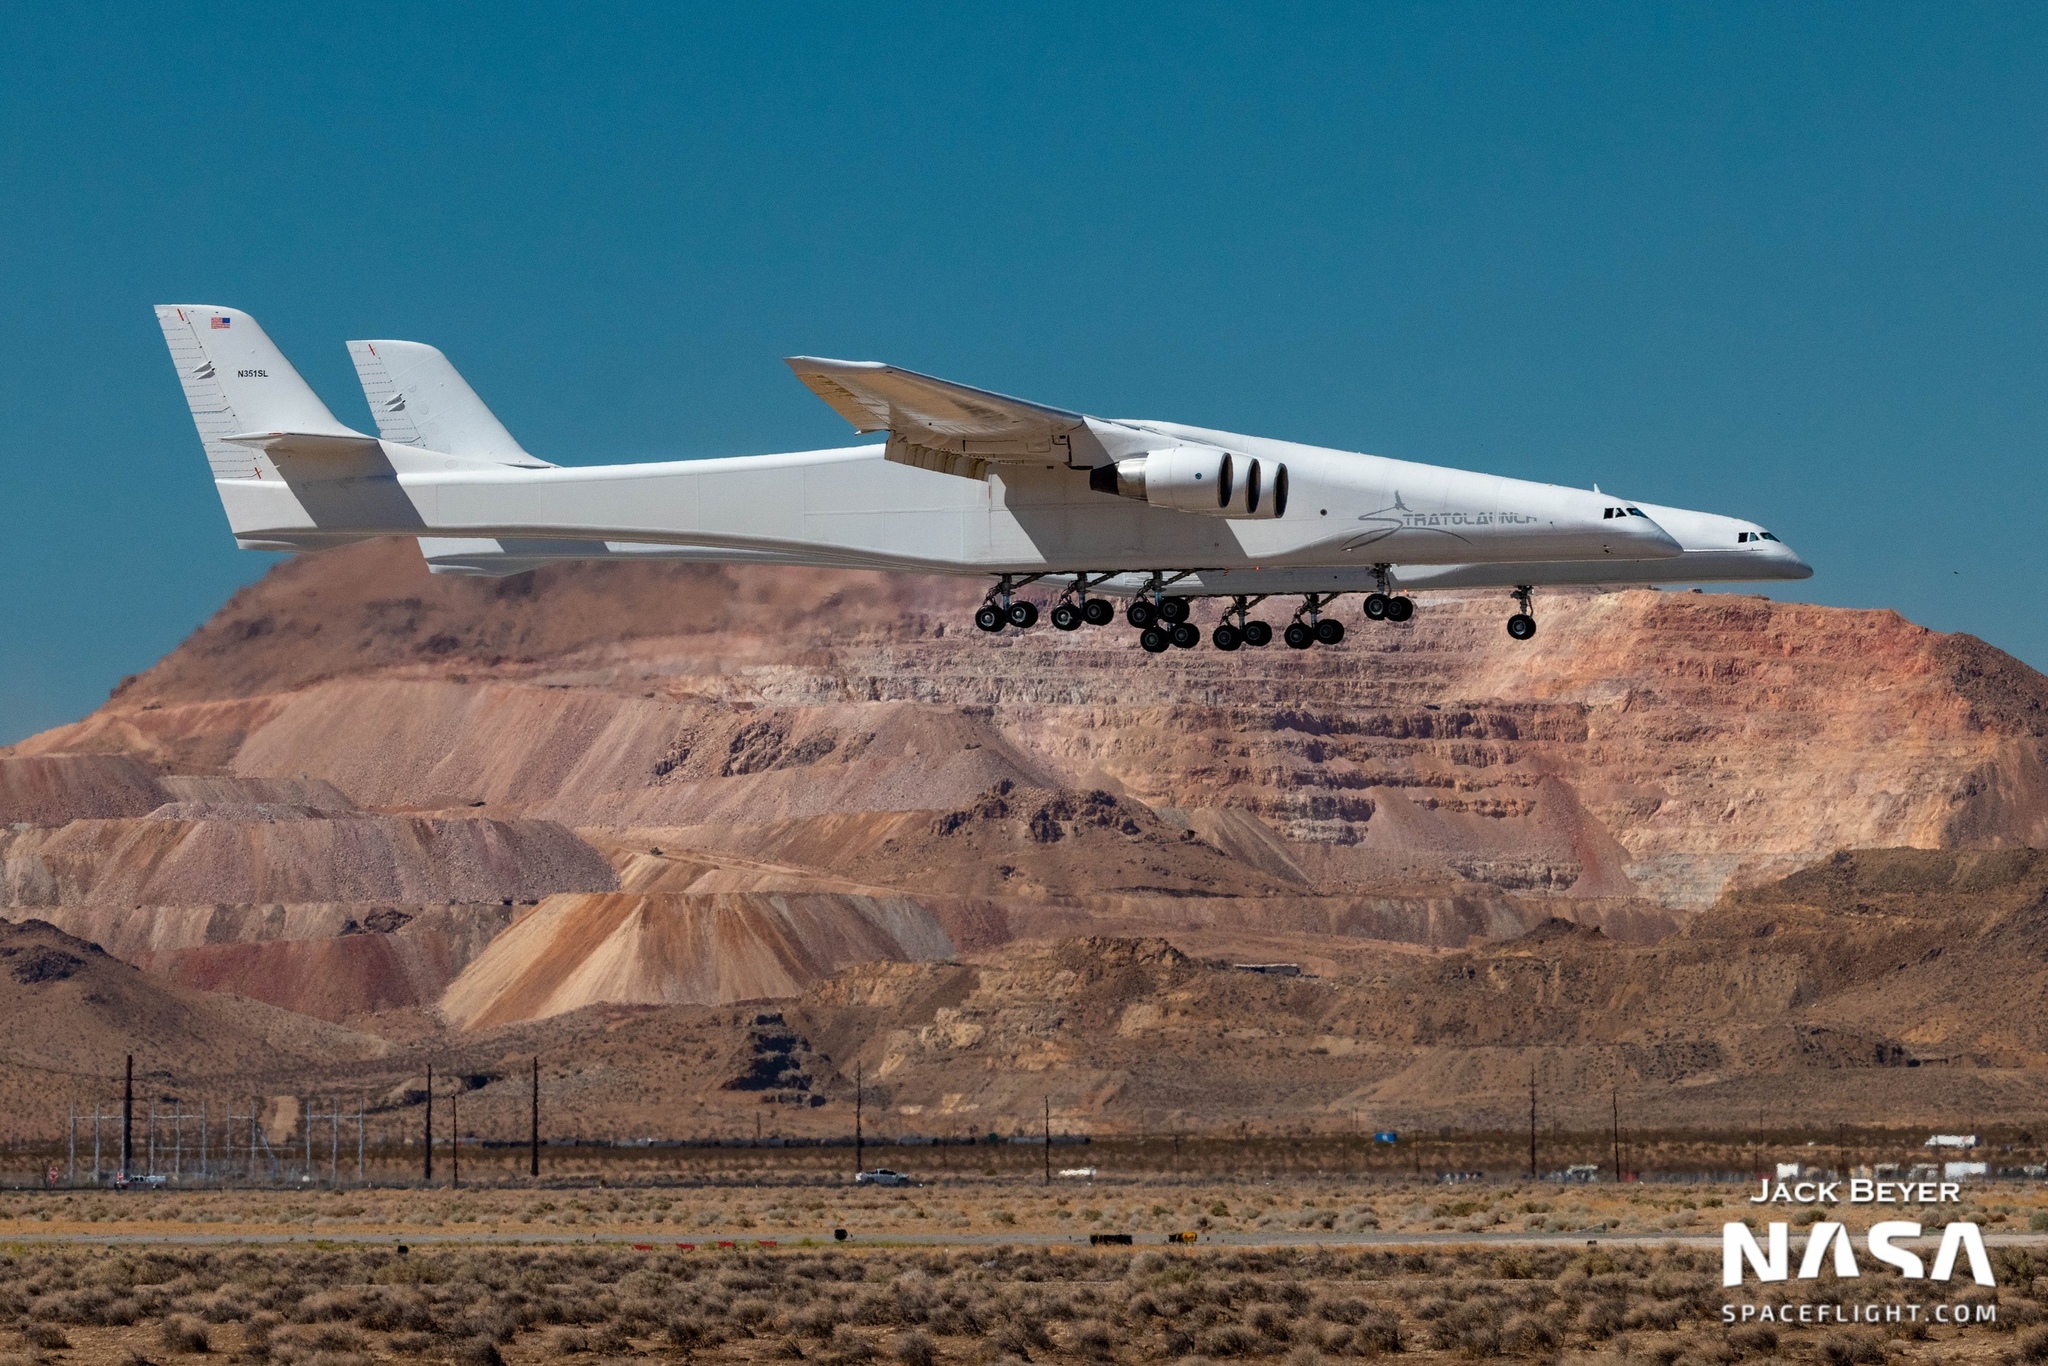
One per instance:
[(1201, 479)]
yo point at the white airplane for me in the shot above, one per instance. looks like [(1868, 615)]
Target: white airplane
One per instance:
[(966, 482)]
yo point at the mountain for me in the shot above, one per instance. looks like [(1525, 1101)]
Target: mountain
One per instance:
[(419, 804)]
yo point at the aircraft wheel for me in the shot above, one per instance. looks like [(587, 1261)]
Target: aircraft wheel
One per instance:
[(1154, 640), (1226, 637), (1173, 610), (1376, 605), (1400, 609), (1521, 626), (1097, 611), (1329, 630), (990, 618), (1298, 636), (1185, 634), (1258, 634), (1140, 614), (1023, 615), (1067, 617)]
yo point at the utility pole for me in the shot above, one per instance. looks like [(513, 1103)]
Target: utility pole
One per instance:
[(455, 1134), (1048, 1140), (1532, 1121), (534, 1163), (1617, 1135), (73, 1178), (430, 1124), (359, 1138), (128, 1118), (857, 1142)]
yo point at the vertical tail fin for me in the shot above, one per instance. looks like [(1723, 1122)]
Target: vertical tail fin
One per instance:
[(419, 400), (237, 381)]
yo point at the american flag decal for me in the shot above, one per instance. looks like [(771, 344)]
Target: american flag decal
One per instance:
[(221, 324)]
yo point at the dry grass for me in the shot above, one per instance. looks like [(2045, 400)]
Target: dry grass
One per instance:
[(499, 1306), (955, 1205)]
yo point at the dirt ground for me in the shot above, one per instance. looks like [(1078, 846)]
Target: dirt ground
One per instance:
[(743, 1206)]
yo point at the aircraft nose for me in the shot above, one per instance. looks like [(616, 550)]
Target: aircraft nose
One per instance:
[(1794, 566), (1654, 540)]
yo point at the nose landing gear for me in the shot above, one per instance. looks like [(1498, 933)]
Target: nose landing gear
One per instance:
[(1522, 625)]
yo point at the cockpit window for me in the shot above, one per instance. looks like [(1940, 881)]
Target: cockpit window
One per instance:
[(1741, 537), (1766, 536), (1637, 512)]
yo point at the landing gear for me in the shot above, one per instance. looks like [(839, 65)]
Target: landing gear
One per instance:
[(1185, 635), (1154, 640), (1237, 628), (1310, 625), (1384, 606), (1522, 625), (1141, 614), (1000, 608), (1075, 608)]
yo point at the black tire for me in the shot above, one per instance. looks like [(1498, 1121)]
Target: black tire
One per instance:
[(1154, 640), (1400, 609), (1376, 606), (1097, 611), (1173, 611), (1298, 636), (1521, 626), (1140, 614), (1225, 637), (1329, 630), (1067, 617), (1023, 615), (1258, 634), (1185, 634), (990, 618)]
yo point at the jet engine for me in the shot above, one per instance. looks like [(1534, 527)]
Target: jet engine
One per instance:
[(1200, 479)]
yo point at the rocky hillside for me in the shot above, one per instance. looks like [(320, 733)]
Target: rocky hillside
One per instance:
[(412, 803)]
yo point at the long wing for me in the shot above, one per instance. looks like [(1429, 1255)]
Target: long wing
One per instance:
[(937, 424)]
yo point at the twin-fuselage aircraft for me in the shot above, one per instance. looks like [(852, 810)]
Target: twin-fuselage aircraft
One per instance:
[(963, 482)]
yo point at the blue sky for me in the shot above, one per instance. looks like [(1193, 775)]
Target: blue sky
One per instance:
[(1782, 261)]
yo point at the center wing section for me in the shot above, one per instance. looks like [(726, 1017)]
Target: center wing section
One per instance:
[(936, 424)]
